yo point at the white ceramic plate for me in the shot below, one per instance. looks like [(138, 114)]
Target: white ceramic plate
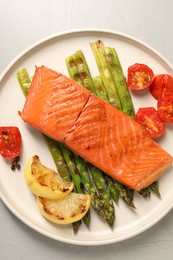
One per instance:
[(52, 52)]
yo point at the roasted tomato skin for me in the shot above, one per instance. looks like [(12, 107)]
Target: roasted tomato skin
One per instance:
[(165, 108), (10, 142), (149, 119), (139, 76), (162, 86)]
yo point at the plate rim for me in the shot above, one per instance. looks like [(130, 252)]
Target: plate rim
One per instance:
[(12, 208)]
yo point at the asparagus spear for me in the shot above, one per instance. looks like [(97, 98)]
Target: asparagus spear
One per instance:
[(73, 70), (84, 71), (25, 82), (145, 193), (113, 190), (75, 175), (100, 89), (58, 159), (154, 187), (107, 202), (99, 53), (119, 81), (125, 193), (96, 201)]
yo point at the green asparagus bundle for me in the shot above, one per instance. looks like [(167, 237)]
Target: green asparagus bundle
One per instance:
[(119, 81), (99, 53)]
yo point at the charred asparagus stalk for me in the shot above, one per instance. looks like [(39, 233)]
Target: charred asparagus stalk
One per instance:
[(99, 53), (107, 202), (24, 81), (154, 187), (84, 71), (73, 70), (119, 81), (125, 193), (97, 199), (100, 89), (100, 200), (68, 157)]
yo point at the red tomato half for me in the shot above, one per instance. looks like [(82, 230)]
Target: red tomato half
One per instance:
[(165, 108), (10, 142), (161, 86), (148, 117), (139, 77)]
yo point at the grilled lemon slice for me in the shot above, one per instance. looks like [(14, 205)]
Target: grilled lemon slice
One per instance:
[(66, 210), (45, 182)]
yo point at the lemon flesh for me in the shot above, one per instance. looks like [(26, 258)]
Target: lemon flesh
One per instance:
[(65, 210), (44, 181)]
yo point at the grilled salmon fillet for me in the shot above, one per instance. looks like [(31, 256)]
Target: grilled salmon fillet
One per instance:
[(106, 137)]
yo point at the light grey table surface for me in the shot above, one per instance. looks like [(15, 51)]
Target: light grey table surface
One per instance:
[(24, 22)]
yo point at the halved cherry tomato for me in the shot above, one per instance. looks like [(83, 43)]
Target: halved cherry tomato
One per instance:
[(148, 117), (161, 86), (10, 142), (139, 77), (165, 108)]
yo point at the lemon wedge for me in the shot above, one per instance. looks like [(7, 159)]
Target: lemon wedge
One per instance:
[(66, 210), (45, 182)]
